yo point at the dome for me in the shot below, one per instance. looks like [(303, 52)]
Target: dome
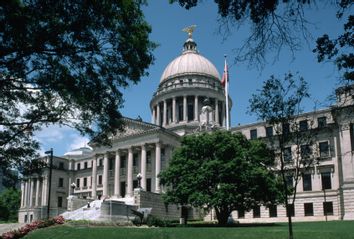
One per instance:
[(190, 62)]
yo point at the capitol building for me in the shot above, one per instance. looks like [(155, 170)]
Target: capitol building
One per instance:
[(190, 98)]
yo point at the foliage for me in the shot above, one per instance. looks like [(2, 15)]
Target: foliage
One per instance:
[(278, 103), (337, 49), (220, 170), (66, 64), (274, 24), (23, 231), (10, 200)]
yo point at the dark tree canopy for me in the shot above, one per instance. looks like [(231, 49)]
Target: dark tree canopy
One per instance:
[(340, 50), (274, 24), (222, 171), (66, 62)]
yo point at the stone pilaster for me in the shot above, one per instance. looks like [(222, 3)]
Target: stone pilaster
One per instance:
[(196, 108), (174, 119), (105, 175), (143, 167), (185, 108), (130, 173), (37, 193), (94, 178), (117, 175)]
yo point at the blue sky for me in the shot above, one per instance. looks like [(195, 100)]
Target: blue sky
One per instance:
[(167, 22)]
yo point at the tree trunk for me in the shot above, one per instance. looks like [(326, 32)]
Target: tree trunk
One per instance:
[(222, 216)]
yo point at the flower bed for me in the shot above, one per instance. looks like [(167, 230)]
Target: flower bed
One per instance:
[(23, 231)]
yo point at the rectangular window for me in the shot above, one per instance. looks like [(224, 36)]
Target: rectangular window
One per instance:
[(286, 128), (253, 133), (61, 182), (110, 164), (307, 182), (287, 155), (99, 179), (326, 180), (290, 181), (78, 183), (305, 151), (190, 112), (78, 166), (303, 125), (122, 161), (60, 201), (352, 135), (122, 189), (291, 210), (241, 213), (180, 112), (308, 209), (135, 160), (148, 184), (328, 208), (324, 149), (322, 122), (85, 182), (61, 165), (257, 212), (273, 211), (100, 162), (269, 131)]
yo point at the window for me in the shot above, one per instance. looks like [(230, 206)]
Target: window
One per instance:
[(135, 183), (291, 210), (61, 165), (290, 181), (135, 160), (122, 189), (308, 209), (190, 112), (123, 161), (326, 180), (327, 208), (180, 112), (241, 213), (273, 211), (99, 179), (85, 165), (257, 212), (303, 125), (61, 182), (253, 133), (287, 155), (60, 201), (148, 184), (321, 122), (306, 182), (286, 128), (78, 166), (110, 164), (78, 183), (100, 162), (85, 182), (269, 131), (324, 149), (305, 151)]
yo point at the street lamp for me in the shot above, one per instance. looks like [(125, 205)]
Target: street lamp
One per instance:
[(50, 153), (139, 177)]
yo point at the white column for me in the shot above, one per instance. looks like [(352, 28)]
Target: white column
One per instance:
[(31, 192), (105, 175), (117, 175), (164, 113), (174, 120), (130, 173), (157, 167), (22, 193), (185, 108), (217, 120), (158, 120), (94, 178), (143, 167), (196, 108), (37, 193), (44, 191), (153, 117)]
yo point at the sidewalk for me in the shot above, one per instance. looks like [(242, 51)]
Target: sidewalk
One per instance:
[(10, 226)]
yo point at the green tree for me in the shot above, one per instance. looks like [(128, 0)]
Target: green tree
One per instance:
[(66, 62), (9, 204), (274, 24), (339, 49), (221, 171), (278, 103)]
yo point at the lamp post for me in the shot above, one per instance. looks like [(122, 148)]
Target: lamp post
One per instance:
[(50, 153), (139, 177)]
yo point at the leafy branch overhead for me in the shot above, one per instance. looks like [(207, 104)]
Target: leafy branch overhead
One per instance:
[(67, 64)]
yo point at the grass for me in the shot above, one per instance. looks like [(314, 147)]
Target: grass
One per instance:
[(303, 230)]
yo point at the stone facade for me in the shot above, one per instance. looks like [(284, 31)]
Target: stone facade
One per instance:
[(178, 108)]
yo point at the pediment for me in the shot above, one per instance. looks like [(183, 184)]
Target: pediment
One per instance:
[(134, 127)]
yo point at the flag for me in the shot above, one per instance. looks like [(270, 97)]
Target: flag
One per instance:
[(225, 76)]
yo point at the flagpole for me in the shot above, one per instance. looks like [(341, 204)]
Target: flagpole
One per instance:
[(227, 94)]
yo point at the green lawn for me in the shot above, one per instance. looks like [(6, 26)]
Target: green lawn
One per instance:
[(308, 230)]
